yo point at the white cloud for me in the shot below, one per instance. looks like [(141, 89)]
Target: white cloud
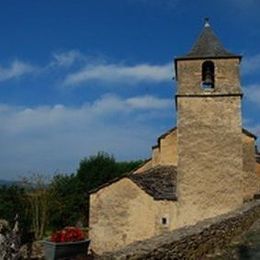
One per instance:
[(77, 68), (16, 69), (66, 59), (120, 73), (252, 93), (251, 64), (148, 102), (44, 139)]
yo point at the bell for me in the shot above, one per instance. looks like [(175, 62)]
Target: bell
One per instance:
[(208, 80)]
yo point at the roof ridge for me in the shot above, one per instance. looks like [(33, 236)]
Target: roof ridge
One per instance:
[(208, 45)]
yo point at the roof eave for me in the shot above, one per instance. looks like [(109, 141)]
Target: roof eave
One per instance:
[(208, 57), (248, 133)]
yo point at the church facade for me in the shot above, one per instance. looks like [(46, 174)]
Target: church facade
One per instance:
[(206, 166)]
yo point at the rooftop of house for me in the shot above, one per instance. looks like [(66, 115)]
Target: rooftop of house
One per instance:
[(159, 182)]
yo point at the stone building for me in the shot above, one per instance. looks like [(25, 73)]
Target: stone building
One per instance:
[(206, 166)]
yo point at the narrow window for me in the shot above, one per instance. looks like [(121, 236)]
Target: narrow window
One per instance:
[(164, 221), (208, 74)]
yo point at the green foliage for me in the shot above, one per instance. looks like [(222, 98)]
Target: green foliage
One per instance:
[(65, 199), (70, 204), (128, 166), (96, 170), (12, 202), (99, 169), (37, 196)]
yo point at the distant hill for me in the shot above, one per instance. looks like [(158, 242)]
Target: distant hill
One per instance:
[(8, 183)]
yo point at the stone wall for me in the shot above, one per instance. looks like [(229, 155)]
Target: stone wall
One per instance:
[(227, 79), (168, 149), (257, 168), (122, 213), (156, 156), (192, 242), (164, 153), (210, 158), (250, 180)]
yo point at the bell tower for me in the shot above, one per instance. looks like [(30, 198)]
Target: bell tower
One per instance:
[(208, 102)]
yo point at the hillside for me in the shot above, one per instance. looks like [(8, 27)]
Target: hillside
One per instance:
[(8, 183)]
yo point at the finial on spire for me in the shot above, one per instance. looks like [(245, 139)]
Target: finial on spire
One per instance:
[(206, 22)]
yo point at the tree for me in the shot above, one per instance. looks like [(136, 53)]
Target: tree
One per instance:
[(128, 166), (12, 203), (70, 204), (38, 196), (97, 170), (63, 201)]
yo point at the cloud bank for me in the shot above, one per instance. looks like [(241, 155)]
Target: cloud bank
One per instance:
[(120, 73), (15, 70), (47, 139)]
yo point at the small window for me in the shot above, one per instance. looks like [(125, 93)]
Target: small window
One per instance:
[(208, 74), (164, 221)]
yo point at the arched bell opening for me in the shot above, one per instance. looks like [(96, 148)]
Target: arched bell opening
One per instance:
[(208, 74)]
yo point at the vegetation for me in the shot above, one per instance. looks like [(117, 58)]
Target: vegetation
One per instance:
[(98, 169), (69, 205), (50, 205), (37, 196)]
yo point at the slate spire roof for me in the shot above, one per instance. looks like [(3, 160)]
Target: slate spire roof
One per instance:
[(208, 45)]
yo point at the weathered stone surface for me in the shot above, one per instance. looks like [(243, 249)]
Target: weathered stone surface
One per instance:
[(122, 213), (210, 157), (167, 149), (215, 165), (164, 153), (251, 182), (258, 169), (227, 79), (192, 242)]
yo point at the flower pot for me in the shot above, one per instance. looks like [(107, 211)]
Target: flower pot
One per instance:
[(53, 250)]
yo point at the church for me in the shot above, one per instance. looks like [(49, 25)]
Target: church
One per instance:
[(206, 166)]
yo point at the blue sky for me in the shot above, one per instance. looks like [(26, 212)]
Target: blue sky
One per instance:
[(81, 76)]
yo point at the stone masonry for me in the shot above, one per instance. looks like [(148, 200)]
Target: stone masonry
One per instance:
[(192, 242)]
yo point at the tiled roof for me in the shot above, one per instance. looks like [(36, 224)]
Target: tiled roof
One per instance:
[(208, 46), (159, 182)]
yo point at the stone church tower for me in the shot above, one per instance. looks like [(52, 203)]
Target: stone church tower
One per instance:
[(208, 101), (204, 167)]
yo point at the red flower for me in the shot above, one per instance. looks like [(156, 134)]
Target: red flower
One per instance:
[(68, 234)]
